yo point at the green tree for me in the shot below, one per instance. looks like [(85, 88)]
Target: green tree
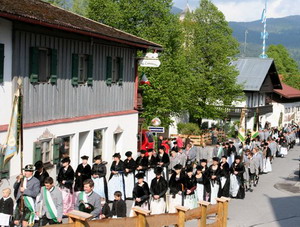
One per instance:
[(210, 47), (61, 3), (285, 64), (80, 7)]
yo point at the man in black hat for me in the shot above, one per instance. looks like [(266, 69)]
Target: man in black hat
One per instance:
[(65, 180), (142, 162), (129, 167), (83, 172), (41, 174), (158, 189), (27, 187), (99, 177), (141, 192)]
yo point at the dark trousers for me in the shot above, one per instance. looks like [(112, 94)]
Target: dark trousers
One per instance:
[(46, 221)]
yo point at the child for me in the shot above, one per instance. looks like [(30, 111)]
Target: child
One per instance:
[(6, 207), (105, 210), (119, 206)]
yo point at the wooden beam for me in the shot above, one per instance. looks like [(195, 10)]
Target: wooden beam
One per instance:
[(181, 215)]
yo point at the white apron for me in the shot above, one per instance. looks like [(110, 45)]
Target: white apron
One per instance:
[(268, 167), (115, 184), (214, 192), (190, 201), (129, 184), (99, 186), (150, 175), (157, 206), (177, 201), (234, 185)]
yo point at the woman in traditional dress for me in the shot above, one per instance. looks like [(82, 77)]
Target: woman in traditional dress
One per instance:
[(83, 172), (176, 185), (98, 176), (116, 179), (158, 189), (152, 163), (140, 193), (163, 161), (214, 180), (190, 200), (65, 180), (129, 166), (200, 181), (203, 163), (267, 159), (237, 189), (224, 177), (142, 162)]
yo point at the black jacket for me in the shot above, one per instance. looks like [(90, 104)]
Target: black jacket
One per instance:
[(164, 158), (118, 208), (130, 164), (99, 170), (143, 162), (85, 173), (7, 206), (152, 162), (67, 176), (41, 177), (115, 167), (105, 210), (159, 187), (176, 184), (141, 192), (190, 184), (225, 171)]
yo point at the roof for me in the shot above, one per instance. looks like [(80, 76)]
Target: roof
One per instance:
[(252, 72), (288, 91), (45, 14)]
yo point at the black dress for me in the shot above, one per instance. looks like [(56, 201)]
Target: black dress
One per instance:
[(214, 183), (159, 187), (130, 165), (201, 181), (165, 159), (240, 168), (119, 168), (67, 176), (190, 184), (224, 174), (41, 177), (143, 162), (85, 173), (176, 184), (7, 206), (142, 192), (118, 208)]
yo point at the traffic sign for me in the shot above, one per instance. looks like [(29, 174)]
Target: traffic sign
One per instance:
[(156, 129)]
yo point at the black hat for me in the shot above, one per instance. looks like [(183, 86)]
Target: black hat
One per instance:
[(189, 169), (216, 159), (150, 150), (143, 151), (224, 156), (231, 142), (39, 165), (199, 168), (98, 157), (175, 143), (128, 154), (266, 144), (84, 157), (178, 166), (161, 148), (29, 168), (203, 160), (158, 170), (140, 175), (238, 157), (117, 155), (67, 159)]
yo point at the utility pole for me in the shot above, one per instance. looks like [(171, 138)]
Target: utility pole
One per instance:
[(264, 34)]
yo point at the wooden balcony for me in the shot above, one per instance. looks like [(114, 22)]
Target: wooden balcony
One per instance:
[(236, 111)]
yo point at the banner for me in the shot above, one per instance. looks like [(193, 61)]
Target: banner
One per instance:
[(255, 132), (242, 130)]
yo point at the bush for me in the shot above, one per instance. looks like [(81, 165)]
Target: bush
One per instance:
[(188, 129)]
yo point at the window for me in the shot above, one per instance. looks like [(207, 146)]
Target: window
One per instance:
[(82, 69), (43, 65), (114, 70), (1, 62), (46, 151), (98, 142)]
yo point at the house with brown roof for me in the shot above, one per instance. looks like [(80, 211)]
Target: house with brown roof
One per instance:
[(79, 84)]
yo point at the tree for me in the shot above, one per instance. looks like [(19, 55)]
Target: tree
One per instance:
[(61, 3), (80, 7), (285, 64), (210, 47)]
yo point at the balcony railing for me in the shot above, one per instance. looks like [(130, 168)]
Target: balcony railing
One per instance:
[(236, 111)]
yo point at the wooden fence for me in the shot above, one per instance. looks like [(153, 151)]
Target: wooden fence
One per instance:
[(199, 139), (143, 219)]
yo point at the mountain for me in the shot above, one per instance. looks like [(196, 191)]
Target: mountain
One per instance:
[(176, 10), (285, 31)]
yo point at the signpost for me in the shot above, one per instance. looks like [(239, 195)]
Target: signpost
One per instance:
[(156, 129)]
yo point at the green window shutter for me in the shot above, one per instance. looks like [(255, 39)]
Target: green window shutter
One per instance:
[(121, 71), (34, 65), (75, 62), (90, 70), (1, 62), (37, 152), (108, 70), (53, 67), (56, 145), (4, 170)]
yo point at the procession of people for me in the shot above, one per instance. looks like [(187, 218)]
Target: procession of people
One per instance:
[(157, 181)]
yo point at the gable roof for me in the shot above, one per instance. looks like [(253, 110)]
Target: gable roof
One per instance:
[(253, 72), (288, 91), (45, 14)]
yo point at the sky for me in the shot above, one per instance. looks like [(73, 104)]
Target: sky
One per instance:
[(249, 10)]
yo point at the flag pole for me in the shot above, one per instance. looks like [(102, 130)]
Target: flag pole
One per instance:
[(20, 119)]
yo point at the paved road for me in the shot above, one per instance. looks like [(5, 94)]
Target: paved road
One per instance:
[(275, 202)]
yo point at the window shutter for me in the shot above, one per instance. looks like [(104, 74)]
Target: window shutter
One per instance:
[(37, 152), (1, 62), (90, 70), (121, 73), (34, 65), (56, 145), (53, 67), (108, 70), (4, 170), (75, 60)]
